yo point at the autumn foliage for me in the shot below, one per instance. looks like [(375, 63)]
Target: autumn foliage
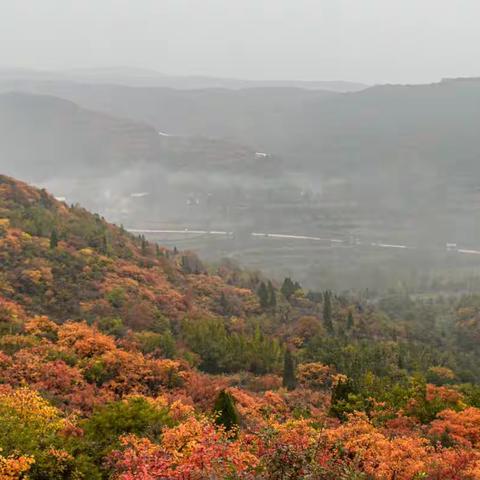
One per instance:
[(122, 360)]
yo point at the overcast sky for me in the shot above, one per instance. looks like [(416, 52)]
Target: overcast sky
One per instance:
[(371, 41)]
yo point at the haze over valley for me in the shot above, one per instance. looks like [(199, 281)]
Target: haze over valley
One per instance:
[(392, 165), (239, 240)]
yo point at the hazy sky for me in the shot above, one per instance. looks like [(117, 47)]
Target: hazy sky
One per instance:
[(362, 40)]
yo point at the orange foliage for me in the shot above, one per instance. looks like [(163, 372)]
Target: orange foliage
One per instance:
[(15, 468), (281, 435), (314, 375), (444, 394), (462, 427), (401, 458), (41, 325), (84, 340), (195, 450), (11, 313)]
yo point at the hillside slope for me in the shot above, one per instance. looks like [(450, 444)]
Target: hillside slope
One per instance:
[(96, 268), (258, 117), (43, 136), (382, 127), (101, 161), (66, 263), (105, 341)]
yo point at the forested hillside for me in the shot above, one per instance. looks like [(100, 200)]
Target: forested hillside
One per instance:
[(123, 359), (386, 127), (396, 164)]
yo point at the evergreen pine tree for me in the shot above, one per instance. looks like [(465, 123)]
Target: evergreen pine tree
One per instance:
[(327, 312), (401, 360), (44, 198), (224, 304), (289, 377), (53, 239), (272, 296), (104, 244), (350, 320), (340, 397), (144, 246), (226, 411), (288, 288), (262, 293)]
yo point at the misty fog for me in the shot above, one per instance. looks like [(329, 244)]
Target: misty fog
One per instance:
[(308, 146)]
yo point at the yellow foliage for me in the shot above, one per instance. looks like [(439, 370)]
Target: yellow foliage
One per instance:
[(442, 372), (314, 375), (84, 340), (14, 468), (29, 407), (4, 223), (401, 458), (40, 325), (182, 439)]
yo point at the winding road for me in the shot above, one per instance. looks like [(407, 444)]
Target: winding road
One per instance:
[(334, 241)]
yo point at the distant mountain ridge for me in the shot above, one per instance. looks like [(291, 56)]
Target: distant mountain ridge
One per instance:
[(404, 157), (101, 160), (44, 136), (317, 129), (139, 77)]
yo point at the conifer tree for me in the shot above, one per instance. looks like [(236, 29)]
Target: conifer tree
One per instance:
[(224, 304), (288, 288), (144, 246), (104, 244), (327, 312), (53, 239), (226, 411), (272, 296), (350, 320), (262, 293), (289, 377), (401, 360), (339, 398)]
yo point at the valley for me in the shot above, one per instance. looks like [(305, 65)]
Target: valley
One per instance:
[(239, 240)]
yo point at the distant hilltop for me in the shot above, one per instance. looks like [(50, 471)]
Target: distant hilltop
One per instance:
[(461, 79), (136, 77)]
